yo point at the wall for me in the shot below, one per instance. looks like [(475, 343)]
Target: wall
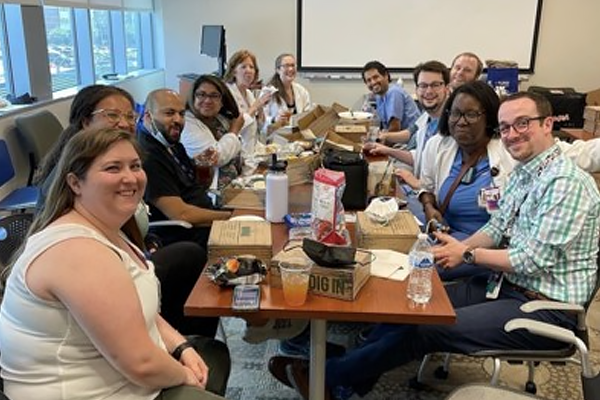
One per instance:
[(138, 87), (268, 27)]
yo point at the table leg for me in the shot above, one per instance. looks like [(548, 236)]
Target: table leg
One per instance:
[(318, 342)]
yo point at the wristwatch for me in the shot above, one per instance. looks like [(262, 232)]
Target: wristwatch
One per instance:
[(469, 256)]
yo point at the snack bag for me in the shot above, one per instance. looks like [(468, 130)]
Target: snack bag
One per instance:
[(327, 211)]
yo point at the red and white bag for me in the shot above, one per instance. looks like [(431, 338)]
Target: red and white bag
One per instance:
[(327, 212)]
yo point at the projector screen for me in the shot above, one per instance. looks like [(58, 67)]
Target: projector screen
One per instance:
[(343, 35)]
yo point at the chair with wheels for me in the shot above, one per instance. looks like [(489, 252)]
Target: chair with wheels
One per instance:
[(38, 132), (590, 383), (13, 230), (530, 357)]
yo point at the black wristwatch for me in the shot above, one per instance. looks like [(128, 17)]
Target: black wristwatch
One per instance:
[(469, 256)]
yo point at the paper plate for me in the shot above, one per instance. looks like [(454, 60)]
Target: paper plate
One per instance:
[(356, 115)]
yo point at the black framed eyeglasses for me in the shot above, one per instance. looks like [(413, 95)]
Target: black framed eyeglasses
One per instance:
[(210, 96), (521, 125), (470, 117), (434, 85)]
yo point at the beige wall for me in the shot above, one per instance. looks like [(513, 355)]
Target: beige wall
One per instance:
[(268, 27)]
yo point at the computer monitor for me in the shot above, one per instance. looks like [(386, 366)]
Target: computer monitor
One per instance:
[(213, 40)]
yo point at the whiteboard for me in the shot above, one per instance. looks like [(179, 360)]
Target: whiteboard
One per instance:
[(343, 35)]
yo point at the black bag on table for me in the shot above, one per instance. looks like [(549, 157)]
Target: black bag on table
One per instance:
[(356, 169), (567, 104)]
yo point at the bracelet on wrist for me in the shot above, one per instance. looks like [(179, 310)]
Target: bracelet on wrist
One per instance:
[(176, 354)]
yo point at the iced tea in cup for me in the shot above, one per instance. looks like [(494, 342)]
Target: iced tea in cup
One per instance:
[(295, 275)]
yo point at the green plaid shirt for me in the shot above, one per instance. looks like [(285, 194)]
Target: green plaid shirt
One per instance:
[(551, 211)]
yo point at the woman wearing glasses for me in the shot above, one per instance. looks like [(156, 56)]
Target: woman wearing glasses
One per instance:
[(291, 97), (466, 166), (212, 128)]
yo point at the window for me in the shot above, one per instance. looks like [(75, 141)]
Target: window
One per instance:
[(133, 41), (61, 47), (102, 42), (4, 71)]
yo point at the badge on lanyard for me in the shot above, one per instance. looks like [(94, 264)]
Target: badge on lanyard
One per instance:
[(489, 198)]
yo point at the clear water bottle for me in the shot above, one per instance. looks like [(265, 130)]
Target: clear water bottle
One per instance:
[(276, 201), (421, 260)]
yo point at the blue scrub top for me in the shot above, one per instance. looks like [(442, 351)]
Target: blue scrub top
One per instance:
[(463, 215)]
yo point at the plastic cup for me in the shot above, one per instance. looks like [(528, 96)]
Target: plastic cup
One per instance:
[(295, 275)]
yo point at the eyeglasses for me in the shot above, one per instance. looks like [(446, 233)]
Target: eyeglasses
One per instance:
[(288, 66), (434, 85), (116, 116), (471, 117), (210, 96), (521, 125)]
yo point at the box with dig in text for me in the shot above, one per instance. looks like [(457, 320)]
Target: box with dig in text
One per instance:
[(339, 283)]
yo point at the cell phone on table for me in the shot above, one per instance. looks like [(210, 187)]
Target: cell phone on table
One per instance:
[(246, 298)]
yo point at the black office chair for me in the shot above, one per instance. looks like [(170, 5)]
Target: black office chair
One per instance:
[(38, 132), (530, 357), (13, 230)]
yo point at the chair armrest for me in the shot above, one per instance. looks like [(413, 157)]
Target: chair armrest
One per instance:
[(554, 332), (537, 305), (171, 222), (542, 329)]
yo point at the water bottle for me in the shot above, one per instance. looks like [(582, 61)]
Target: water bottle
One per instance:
[(277, 191), (421, 261)]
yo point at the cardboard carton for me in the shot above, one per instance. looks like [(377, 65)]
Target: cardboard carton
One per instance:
[(252, 199), (399, 234), (339, 283), (336, 141), (593, 98), (236, 238), (354, 133)]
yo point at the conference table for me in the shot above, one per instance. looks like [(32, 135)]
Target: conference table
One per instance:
[(380, 300)]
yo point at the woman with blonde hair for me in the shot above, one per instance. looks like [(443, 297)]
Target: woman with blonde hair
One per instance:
[(87, 326), (241, 78)]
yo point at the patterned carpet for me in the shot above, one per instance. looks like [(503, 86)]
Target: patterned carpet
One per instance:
[(250, 378)]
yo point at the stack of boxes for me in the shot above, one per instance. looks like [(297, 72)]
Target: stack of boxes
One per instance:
[(591, 116)]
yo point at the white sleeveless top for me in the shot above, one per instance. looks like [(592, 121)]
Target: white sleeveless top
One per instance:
[(45, 353)]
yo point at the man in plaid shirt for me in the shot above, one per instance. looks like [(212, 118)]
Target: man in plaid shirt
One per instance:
[(542, 243)]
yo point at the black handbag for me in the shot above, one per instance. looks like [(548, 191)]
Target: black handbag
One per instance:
[(356, 169)]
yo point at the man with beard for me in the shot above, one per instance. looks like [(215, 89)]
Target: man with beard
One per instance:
[(431, 79), (172, 190), (395, 108), (466, 67), (543, 239)]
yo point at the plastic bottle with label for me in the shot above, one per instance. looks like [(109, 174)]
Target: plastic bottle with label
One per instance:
[(421, 260), (276, 201)]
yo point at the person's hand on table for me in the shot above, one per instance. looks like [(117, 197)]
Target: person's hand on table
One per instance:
[(376, 149), (431, 212), (449, 253)]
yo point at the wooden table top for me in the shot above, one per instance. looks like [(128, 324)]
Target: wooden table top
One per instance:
[(380, 300)]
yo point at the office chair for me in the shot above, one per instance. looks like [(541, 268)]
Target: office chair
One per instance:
[(590, 383), (38, 132), (13, 230), (530, 357), (19, 198)]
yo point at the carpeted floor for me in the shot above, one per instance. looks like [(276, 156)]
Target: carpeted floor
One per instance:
[(250, 378)]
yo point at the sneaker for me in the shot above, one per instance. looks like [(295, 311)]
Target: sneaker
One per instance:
[(301, 349), (274, 329)]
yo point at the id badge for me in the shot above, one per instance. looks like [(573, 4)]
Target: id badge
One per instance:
[(494, 284), (489, 198)]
